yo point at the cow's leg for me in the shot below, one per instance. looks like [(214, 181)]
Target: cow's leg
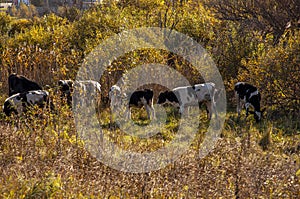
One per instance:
[(148, 111), (152, 112), (209, 109), (188, 110), (111, 114), (247, 108), (98, 104), (181, 109), (238, 108)]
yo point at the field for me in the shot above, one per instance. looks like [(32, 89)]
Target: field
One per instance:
[(44, 155)]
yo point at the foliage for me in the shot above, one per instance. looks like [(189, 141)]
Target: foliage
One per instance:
[(270, 16), (42, 156), (276, 70)]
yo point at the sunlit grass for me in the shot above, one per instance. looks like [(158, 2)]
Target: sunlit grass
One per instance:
[(42, 155)]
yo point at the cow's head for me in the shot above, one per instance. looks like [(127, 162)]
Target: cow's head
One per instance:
[(258, 115), (65, 86), (11, 103), (162, 97), (114, 91), (7, 108)]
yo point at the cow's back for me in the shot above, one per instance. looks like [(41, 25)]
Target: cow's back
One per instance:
[(20, 84)]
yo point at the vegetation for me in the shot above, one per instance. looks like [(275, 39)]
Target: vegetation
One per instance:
[(41, 155)]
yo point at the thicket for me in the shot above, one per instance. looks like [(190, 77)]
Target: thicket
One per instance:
[(246, 46)]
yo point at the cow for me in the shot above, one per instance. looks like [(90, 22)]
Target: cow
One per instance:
[(19, 103), (206, 93), (21, 84), (186, 96), (141, 98), (248, 95), (84, 88), (66, 89), (115, 96)]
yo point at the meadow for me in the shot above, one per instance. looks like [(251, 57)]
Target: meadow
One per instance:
[(43, 156)]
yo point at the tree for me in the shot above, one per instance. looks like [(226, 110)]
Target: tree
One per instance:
[(268, 16)]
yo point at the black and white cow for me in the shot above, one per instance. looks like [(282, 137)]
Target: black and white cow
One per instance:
[(18, 103), (83, 87), (21, 84), (141, 98), (66, 89), (186, 96), (248, 95)]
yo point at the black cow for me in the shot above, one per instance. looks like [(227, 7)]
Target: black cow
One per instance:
[(248, 95), (18, 103), (21, 84)]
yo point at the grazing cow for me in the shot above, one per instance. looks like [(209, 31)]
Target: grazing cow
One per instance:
[(20, 84), (84, 88), (180, 97), (206, 94), (190, 96), (136, 99), (248, 95), (142, 98), (66, 88), (19, 102)]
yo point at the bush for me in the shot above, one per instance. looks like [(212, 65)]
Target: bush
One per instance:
[(276, 71)]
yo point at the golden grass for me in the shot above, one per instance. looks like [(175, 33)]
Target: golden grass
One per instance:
[(42, 157)]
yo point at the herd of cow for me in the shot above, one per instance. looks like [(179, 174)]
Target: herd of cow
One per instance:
[(24, 93)]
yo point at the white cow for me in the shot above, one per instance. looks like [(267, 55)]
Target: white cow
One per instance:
[(206, 94), (83, 88)]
